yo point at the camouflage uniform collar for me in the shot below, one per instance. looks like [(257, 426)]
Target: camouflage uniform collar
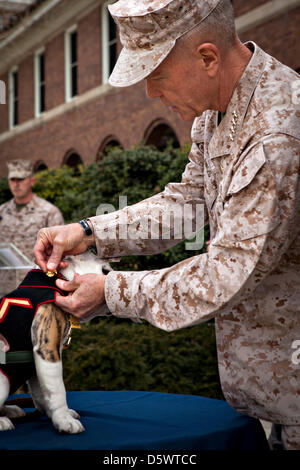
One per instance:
[(12, 206), (28, 207), (225, 136)]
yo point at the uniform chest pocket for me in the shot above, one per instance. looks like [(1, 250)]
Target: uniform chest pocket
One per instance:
[(251, 205), (247, 170)]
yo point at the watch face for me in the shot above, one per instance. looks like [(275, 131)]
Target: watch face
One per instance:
[(86, 227)]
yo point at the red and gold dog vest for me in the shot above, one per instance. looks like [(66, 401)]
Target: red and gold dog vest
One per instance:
[(17, 310)]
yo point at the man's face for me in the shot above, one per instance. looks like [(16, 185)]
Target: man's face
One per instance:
[(21, 188), (182, 85)]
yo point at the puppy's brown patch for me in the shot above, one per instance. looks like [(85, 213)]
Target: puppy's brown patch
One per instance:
[(48, 331)]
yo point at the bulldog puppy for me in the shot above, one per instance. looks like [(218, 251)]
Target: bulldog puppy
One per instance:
[(30, 320)]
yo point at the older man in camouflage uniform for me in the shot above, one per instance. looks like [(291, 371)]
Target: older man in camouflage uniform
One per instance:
[(24, 215), (244, 168)]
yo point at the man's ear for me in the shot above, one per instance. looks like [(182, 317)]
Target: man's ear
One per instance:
[(33, 181), (209, 56)]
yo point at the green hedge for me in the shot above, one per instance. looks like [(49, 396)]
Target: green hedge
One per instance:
[(5, 193), (137, 173), (113, 354)]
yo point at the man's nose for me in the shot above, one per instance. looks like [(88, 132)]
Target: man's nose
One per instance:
[(152, 91)]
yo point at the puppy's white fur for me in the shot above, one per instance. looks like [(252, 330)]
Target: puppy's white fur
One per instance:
[(84, 263), (87, 263)]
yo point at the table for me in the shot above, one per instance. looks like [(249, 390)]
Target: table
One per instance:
[(142, 420)]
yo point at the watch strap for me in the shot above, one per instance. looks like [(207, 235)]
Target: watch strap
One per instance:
[(84, 224)]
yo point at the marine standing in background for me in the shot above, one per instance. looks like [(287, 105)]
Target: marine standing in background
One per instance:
[(24, 215)]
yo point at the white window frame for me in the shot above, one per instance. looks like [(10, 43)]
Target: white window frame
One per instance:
[(2, 92), (37, 82), (68, 75), (105, 41), (11, 98)]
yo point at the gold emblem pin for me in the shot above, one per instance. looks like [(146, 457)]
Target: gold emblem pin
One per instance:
[(51, 273)]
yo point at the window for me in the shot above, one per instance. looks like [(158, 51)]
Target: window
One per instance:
[(39, 82), (71, 63), (73, 160), (109, 43), (160, 135), (107, 144), (2, 92), (39, 166), (13, 98)]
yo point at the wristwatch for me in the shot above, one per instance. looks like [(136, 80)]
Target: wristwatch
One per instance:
[(84, 224)]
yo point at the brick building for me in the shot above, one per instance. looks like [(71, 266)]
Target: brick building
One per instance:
[(55, 59)]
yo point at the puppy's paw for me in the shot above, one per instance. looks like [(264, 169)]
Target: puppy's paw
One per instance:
[(65, 423), (13, 411), (74, 413), (6, 424)]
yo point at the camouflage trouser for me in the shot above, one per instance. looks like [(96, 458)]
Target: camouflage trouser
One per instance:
[(284, 437)]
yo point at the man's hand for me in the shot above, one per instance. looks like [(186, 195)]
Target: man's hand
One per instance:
[(55, 242), (86, 294)]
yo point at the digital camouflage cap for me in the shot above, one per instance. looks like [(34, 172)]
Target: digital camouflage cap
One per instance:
[(148, 31), (20, 169)]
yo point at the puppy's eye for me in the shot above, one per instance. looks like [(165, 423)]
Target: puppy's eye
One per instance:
[(105, 271)]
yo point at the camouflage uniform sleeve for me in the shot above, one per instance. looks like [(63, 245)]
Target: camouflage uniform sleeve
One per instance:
[(155, 224), (254, 230)]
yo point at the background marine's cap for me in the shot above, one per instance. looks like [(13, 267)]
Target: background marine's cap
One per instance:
[(148, 32), (20, 169)]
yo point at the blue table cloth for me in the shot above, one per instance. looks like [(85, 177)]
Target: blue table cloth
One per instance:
[(142, 420)]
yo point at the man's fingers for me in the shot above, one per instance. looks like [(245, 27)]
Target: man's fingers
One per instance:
[(50, 246), (65, 303), (85, 294), (68, 286), (41, 262), (53, 243), (55, 257), (40, 252), (62, 265)]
